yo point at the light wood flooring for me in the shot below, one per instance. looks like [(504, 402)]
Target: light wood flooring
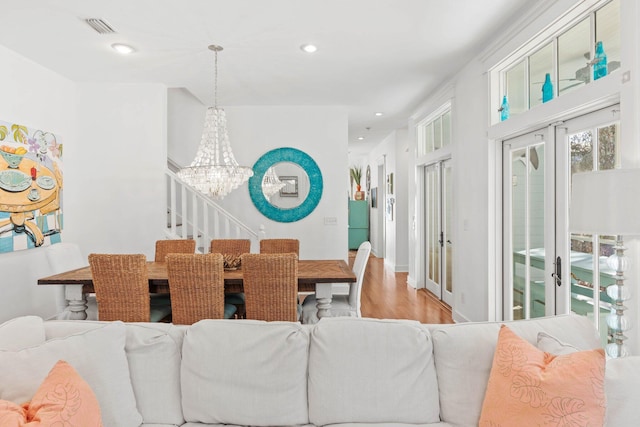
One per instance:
[(386, 295)]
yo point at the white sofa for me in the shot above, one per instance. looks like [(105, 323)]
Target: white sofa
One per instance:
[(341, 371)]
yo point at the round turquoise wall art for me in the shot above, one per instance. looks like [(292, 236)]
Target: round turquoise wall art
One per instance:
[(304, 161)]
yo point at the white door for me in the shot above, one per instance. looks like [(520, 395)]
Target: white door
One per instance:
[(548, 271), (527, 219), (438, 221), (587, 143)]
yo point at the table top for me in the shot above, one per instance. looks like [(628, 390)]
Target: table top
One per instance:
[(310, 272)]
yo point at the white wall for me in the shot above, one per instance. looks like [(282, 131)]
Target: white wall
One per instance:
[(321, 132), (394, 149), (115, 200), (33, 96), (114, 159)]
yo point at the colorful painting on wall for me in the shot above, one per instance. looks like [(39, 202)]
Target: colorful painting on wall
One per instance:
[(30, 187)]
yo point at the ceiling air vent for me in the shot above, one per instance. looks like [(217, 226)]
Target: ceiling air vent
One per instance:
[(100, 26)]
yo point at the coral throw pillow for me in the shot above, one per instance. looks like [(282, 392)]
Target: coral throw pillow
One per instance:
[(528, 387), (63, 399)]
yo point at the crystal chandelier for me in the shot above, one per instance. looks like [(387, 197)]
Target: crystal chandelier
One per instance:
[(215, 171), (271, 184)]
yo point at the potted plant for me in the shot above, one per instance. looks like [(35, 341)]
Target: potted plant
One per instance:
[(356, 176)]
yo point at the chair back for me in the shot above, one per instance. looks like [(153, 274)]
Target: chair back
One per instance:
[(280, 246), (359, 266), (231, 250), (196, 285), (121, 283), (271, 286), (230, 246), (174, 246)]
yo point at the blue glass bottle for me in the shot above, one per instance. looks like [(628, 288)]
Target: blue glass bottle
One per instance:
[(600, 62), (547, 89), (504, 109)]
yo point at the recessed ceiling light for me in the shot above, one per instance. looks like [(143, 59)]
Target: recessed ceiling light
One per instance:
[(309, 48), (360, 138), (124, 49), (378, 113)]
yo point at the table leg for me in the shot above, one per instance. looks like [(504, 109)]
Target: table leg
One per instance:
[(323, 299), (76, 302)]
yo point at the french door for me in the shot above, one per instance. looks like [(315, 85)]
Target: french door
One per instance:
[(547, 270), (438, 222), (528, 225)]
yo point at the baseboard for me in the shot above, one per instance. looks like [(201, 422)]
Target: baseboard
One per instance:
[(412, 282), (402, 268), (458, 318)]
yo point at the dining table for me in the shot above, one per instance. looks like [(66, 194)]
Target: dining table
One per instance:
[(313, 276)]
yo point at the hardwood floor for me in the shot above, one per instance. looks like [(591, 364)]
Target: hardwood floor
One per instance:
[(386, 295)]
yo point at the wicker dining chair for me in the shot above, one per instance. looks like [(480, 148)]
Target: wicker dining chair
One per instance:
[(196, 284), (231, 250), (280, 246), (174, 246), (121, 283), (271, 286)]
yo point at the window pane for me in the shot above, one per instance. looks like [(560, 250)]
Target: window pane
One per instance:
[(574, 49), (518, 242), (607, 153), (422, 144), (428, 134), (534, 160), (608, 32), (540, 63), (516, 89), (581, 144), (437, 133), (448, 217), (446, 128)]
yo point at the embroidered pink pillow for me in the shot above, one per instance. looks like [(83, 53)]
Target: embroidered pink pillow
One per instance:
[(528, 387), (63, 399)]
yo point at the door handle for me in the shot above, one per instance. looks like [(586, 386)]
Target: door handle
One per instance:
[(558, 273)]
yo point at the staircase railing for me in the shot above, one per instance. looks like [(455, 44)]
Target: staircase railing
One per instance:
[(192, 215)]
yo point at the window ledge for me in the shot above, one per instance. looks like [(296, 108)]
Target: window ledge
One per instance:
[(595, 95)]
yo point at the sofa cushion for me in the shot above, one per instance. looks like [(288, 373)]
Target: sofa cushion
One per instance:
[(464, 354), (553, 345), (245, 372), (154, 355), (622, 377), (21, 332), (371, 371), (97, 355), (529, 384)]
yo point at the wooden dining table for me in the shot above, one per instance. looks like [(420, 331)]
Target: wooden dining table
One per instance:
[(313, 276)]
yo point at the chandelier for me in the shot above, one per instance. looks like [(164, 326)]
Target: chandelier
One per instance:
[(215, 171), (271, 184)]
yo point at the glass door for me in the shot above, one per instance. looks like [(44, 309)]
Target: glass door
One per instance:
[(528, 253), (438, 221), (588, 143), (547, 270)]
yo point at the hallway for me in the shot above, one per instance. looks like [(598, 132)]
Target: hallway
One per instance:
[(386, 295)]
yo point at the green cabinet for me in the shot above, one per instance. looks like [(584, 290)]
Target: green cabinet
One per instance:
[(358, 223)]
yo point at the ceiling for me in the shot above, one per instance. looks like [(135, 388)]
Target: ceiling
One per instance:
[(373, 55)]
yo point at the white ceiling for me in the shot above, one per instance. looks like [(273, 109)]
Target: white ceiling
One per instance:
[(373, 55)]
